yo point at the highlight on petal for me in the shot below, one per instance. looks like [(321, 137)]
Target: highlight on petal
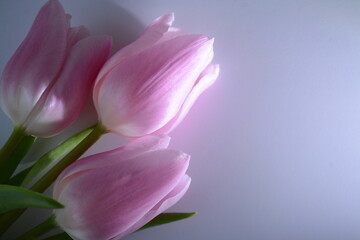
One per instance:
[(143, 88), (66, 98), (28, 73), (147, 92), (206, 79), (118, 195)]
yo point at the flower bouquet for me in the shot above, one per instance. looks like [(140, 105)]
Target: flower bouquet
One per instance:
[(142, 92)]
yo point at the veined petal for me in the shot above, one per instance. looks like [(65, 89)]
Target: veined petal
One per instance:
[(168, 201), (206, 79), (35, 63), (134, 148), (148, 38), (148, 90), (67, 97), (132, 189)]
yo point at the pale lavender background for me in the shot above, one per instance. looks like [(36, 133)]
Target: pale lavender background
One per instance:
[(275, 143)]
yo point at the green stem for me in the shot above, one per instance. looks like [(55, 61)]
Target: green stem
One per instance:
[(39, 230), (15, 138), (45, 181), (14, 159)]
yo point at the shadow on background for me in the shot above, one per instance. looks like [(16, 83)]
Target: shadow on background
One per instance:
[(105, 17)]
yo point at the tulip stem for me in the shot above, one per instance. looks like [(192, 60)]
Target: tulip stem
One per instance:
[(15, 138), (45, 181), (15, 158), (40, 229)]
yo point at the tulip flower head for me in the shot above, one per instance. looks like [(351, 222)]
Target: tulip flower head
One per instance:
[(149, 86), (46, 82), (112, 194)]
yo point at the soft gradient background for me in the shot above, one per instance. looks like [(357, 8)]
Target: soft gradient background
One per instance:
[(275, 143)]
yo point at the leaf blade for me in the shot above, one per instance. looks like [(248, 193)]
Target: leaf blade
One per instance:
[(12, 197), (51, 157), (165, 218)]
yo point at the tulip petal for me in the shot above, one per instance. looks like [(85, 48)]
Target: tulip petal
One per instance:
[(132, 189), (76, 34), (35, 63), (168, 201), (147, 39), (65, 100), (206, 79), (144, 101), (173, 196), (134, 148), (171, 34)]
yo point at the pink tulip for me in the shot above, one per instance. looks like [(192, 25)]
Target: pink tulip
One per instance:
[(112, 194), (46, 82), (149, 86)]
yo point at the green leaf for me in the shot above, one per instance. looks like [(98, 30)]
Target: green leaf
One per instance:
[(165, 218), (12, 197), (60, 236), (52, 157)]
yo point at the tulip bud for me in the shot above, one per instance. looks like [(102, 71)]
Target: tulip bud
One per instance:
[(45, 84), (112, 194), (149, 86)]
